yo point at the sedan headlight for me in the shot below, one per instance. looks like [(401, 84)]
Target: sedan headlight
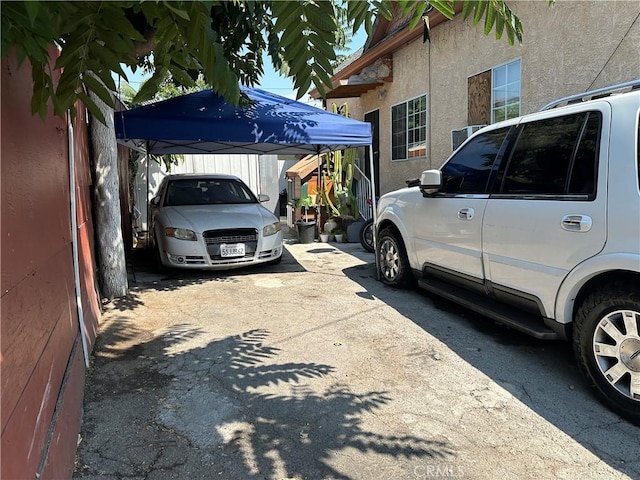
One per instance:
[(271, 229), (180, 233)]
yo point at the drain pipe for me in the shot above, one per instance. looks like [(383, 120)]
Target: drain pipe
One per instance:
[(374, 207), (74, 238)]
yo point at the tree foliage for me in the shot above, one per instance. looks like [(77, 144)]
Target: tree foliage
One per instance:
[(222, 40)]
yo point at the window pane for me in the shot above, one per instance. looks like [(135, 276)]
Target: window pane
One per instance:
[(409, 129), (583, 173), (512, 111), (468, 170), (399, 132), (513, 71), (417, 129), (513, 94), (499, 76), (542, 155), (506, 91)]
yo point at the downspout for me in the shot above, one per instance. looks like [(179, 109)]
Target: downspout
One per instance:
[(374, 207), (74, 238), (429, 95)]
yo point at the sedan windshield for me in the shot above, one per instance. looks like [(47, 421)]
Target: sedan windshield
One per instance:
[(207, 192)]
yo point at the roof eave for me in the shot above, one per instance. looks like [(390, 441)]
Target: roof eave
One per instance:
[(386, 47)]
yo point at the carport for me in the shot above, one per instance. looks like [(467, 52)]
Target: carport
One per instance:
[(203, 122)]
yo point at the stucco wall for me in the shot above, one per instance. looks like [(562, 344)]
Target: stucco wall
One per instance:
[(42, 369), (568, 48)]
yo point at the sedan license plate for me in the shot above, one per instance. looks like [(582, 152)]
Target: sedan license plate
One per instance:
[(232, 250)]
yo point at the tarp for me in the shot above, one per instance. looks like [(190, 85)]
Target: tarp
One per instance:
[(203, 122)]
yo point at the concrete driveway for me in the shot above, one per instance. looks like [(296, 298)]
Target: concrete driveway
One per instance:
[(314, 370)]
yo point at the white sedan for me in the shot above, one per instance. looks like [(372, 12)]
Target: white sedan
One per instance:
[(212, 222)]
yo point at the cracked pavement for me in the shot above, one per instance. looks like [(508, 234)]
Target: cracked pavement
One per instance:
[(312, 369)]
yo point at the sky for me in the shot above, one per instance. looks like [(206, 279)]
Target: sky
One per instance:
[(271, 81), (274, 83)]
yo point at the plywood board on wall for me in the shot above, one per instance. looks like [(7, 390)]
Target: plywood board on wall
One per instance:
[(479, 91)]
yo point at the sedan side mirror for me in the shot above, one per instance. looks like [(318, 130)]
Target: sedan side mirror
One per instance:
[(155, 201), (263, 198), (430, 182)]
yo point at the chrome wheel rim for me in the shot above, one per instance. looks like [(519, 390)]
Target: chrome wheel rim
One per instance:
[(616, 348), (389, 260)]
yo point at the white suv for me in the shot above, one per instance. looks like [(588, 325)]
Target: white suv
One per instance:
[(535, 223)]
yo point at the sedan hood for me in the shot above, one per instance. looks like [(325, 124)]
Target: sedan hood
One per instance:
[(208, 217)]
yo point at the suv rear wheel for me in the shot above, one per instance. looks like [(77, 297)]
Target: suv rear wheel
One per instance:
[(606, 342), (392, 255)]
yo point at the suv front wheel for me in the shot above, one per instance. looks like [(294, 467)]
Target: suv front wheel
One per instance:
[(392, 256), (607, 346)]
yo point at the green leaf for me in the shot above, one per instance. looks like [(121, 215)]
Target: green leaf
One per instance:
[(510, 34), (181, 76), (467, 8), (33, 7), (92, 107), (480, 7), (322, 74), (519, 29), (78, 21), (322, 19), (104, 74), (320, 86), (286, 14), (445, 7), (292, 35), (181, 13), (499, 27), (72, 51), (99, 89), (489, 21), (107, 57), (303, 87), (326, 49)]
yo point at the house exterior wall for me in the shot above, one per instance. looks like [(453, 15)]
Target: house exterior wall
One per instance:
[(568, 48), (41, 357)]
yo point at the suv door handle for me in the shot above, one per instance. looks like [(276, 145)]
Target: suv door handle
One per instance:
[(577, 223), (466, 214)]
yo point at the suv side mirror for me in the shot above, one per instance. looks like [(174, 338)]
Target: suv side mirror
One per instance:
[(430, 182), (155, 201)]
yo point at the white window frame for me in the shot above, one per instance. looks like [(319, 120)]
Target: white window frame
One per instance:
[(507, 84), (407, 143)]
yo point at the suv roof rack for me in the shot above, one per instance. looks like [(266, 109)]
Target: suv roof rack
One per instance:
[(593, 94)]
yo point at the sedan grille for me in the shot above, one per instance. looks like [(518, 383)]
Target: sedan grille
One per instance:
[(216, 238), (236, 235)]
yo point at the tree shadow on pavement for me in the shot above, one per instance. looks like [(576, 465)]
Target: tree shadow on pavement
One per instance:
[(543, 375), (181, 405)]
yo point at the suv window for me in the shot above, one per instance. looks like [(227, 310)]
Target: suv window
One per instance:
[(555, 156), (469, 169)]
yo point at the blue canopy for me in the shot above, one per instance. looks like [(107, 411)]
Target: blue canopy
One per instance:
[(203, 122)]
